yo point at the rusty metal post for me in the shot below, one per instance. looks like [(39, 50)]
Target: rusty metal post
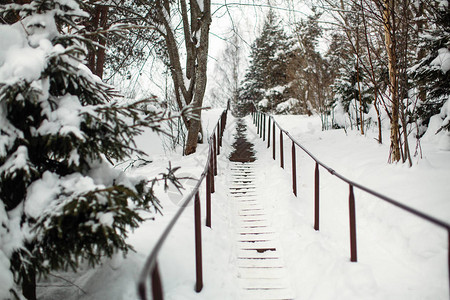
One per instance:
[(316, 197), (257, 123), (157, 291), (215, 154), (281, 150), (264, 128), (260, 124), (268, 133), (353, 255), (294, 170), (209, 178), (221, 126), (210, 172), (218, 140), (198, 245), (273, 139), (224, 122)]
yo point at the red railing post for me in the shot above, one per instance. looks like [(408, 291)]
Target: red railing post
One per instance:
[(294, 170), (281, 149), (260, 124), (224, 122), (353, 255), (210, 172), (218, 140), (264, 128), (316, 197), (268, 133), (273, 140), (209, 181), (157, 292), (221, 126), (257, 123), (198, 245), (215, 154)]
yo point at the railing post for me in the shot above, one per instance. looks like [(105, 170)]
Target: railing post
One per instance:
[(268, 132), (294, 170), (210, 172), (215, 154), (260, 124), (264, 128), (353, 255), (257, 123), (198, 245), (281, 149), (218, 140), (316, 197), (224, 122), (157, 292), (222, 128), (273, 139), (209, 178)]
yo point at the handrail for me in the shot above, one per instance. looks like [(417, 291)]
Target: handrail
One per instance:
[(260, 122), (150, 268), (366, 189)]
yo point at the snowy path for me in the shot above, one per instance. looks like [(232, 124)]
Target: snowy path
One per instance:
[(261, 269), (260, 266)]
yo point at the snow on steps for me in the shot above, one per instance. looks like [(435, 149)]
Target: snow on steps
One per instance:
[(261, 270)]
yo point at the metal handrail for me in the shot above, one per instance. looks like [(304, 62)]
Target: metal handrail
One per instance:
[(366, 189), (257, 120), (150, 269)]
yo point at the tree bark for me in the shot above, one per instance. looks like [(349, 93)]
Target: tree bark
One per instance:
[(96, 55), (389, 30), (189, 84), (201, 75)]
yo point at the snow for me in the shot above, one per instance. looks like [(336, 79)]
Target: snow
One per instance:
[(65, 119), (442, 60), (20, 63), (399, 256), (286, 106)]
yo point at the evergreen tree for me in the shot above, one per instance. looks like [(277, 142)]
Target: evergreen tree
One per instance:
[(61, 201), (431, 73), (265, 82), (347, 93), (308, 70)]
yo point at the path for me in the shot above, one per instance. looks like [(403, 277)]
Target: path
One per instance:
[(261, 269)]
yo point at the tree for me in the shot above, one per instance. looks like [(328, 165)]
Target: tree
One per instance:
[(307, 69), (265, 82), (430, 72), (228, 73), (61, 201), (189, 82)]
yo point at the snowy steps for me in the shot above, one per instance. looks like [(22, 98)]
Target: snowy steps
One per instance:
[(261, 269)]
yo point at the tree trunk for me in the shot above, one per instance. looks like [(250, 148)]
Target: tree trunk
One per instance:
[(202, 46), (96, 55), (389, 30), (193, 136)]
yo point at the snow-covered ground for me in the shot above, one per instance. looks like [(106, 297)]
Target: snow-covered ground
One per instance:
[(399, 255)]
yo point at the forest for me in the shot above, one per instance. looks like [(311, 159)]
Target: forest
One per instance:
[(81, 79)]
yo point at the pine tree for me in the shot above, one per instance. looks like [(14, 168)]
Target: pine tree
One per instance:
[(308, 70), (265, 82), (61, 201), (430, 72), (349, 87)]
